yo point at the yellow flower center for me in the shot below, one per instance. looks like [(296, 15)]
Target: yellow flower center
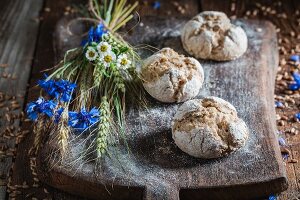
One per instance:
[(107, 58), (103, 48), (91, 54), (124, 61)]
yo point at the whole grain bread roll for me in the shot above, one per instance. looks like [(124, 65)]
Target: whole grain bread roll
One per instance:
[(208, 128), (210, 35), (170, 77)]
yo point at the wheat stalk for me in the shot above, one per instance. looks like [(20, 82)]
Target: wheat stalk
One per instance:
[(103, 128), (98, 75), (38, 135), (63, 133), (118, 79)]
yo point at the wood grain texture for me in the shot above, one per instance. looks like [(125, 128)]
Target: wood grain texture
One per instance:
[(43, 59), (285, 27), (157, 166), (18, 32)]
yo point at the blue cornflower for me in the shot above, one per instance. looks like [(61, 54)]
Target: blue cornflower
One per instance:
[(95, 34), (61, 89), (83, 119), (297, 116), (41, 106), (295, 58), (64, 90), (296, 85), (57, 115), (91, 35), (278, 104), (281, 141), (47, 85), (156, 5), (272, 197), (285, 156)]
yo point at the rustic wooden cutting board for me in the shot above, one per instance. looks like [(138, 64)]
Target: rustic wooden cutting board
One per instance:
[(156, 168)]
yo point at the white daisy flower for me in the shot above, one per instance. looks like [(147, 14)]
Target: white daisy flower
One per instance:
[(103, 47), (91, 54), (108, 58), (123, 61)]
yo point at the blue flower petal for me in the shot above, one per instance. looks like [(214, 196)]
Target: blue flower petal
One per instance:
[(61, 90), (58, 115), (84, 42), (294, 86), (33, 116), (156, 5), (73, 122), (94, 112), (281, 141), (295, 58), (272, 197), (83, 119), (296, 77), (94, 34), (279, 104), (91, 35), (40, 106), (297, 115)]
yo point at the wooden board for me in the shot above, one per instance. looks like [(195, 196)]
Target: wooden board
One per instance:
[(18, 32), (157, 169)]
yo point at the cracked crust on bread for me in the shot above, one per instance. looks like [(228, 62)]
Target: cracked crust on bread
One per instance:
[(170, 77), (208, 128), (210, 35)]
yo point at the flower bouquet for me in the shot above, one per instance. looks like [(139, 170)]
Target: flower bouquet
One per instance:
[(85, 93)]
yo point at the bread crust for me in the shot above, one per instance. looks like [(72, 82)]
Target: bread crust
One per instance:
[(210, 35), (208, 128)]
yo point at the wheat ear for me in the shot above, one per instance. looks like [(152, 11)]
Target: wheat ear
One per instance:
[(38, 134), (118, 80), (63, 133), (103, 128)]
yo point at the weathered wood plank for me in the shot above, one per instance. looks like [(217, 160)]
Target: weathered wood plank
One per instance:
[(247, 4), (167, 8), (255, 171), (285, 20), (44, 58), (18, 33)]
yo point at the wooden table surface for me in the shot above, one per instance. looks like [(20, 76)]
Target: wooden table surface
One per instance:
[(26, 48)]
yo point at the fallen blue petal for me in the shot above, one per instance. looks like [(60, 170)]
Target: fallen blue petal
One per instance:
[(156, 5), (296, 77), (278, 104), (281, 141), (272, 197), (295, 58), (297, 115), (285, 156), (294, 86)]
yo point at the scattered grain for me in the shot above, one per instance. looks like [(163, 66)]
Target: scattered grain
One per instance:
[(47, 9), (293, 160), (285, 150)]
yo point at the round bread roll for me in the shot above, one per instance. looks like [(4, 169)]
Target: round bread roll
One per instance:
[(208, 128), (170, 77), (210, 35)]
